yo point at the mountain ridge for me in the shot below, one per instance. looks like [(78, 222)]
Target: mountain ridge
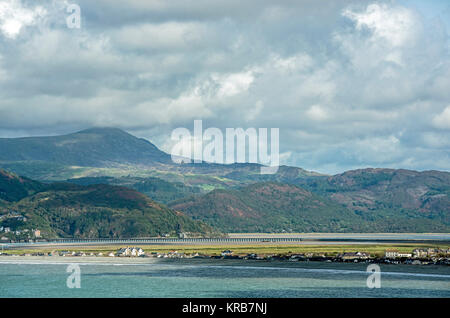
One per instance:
[(387, 199), (277, 207), (90, 147)]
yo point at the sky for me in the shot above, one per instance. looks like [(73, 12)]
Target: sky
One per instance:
[(349, 84)]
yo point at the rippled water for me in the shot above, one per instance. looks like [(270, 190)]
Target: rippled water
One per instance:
[(221, 278)]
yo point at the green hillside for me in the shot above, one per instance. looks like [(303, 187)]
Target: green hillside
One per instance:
[(14, 188), (69, 210), (389, 193), (365, 200), (159, 190), (268, 207), (276, 207)]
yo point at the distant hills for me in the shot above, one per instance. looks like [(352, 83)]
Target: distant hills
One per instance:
[(69, 210), (277, 207), (269, 207), (389, 193), (234, 197), (113, 152)]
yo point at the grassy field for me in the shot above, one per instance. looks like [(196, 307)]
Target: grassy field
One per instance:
[(266, 249)]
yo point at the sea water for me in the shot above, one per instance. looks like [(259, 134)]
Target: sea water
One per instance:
[(217, 278)]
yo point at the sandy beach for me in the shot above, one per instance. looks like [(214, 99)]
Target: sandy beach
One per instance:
[(78, 260)]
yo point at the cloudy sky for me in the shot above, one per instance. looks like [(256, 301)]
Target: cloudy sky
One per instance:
[(350, 84)]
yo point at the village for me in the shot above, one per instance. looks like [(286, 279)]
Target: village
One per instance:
[(14, 232), (422, 256)]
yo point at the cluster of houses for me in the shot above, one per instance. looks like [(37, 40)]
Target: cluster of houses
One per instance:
[(130, 251), (418, 253), (418, 256), (435, 254), (430, 252), (13, 215), (350, 256), (396, 254), (176, 254), (31, 233)]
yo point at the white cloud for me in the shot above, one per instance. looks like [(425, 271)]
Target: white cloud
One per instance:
[(234, 83), (296, 63), (397, 25), (163, 36), (253, 112), (317, 112), (442, 120), (14, 16)]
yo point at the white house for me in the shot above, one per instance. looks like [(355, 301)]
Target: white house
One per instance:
[(396, 254), (130, 251), (137, 251), (391, 254)]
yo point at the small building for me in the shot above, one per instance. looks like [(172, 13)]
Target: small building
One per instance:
[(137, 251), (354, 255), (123, 252), (130, 251), (391, 254), (425, 252), (227, 253), (37, 233)]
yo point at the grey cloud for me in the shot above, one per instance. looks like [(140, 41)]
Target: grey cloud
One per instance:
[(346, 89)]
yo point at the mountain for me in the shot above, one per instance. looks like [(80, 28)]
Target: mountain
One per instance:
[(96, 147), (70, 210), (383, 200), (276, 207), (268, 207), (388, 192), (99, 152)]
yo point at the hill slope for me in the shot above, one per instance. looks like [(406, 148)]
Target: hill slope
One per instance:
[(266, 207), (69, 210), (14, 188), (387, 200), (159, 190), (279, 207), (389, 192)]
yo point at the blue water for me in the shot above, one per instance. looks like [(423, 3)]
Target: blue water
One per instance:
[(221, 278)]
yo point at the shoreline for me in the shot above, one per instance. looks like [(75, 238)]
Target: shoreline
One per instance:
[(12, 259)]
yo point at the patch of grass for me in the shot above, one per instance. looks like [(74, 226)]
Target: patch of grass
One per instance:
[(265, 249)]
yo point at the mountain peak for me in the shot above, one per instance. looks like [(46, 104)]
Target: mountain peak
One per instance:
[(103, 131), (93, 147)]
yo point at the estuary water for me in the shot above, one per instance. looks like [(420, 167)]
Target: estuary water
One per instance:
[(216, 278)]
